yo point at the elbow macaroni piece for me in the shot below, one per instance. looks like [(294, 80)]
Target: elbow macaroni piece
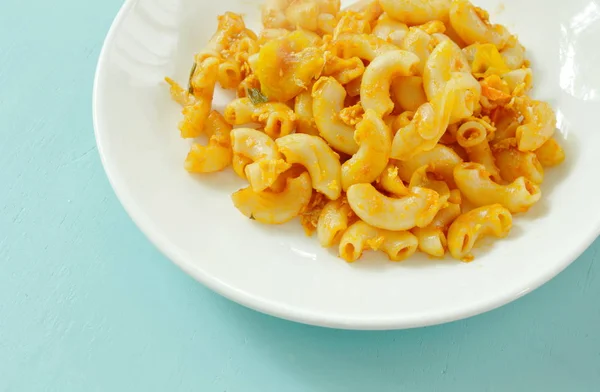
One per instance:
[(538, 125), (318, 158), (418, 208), (333, 221), (476, 185), (202, 87), (392, 125), (263, 173), (416, 12), (472, 25), (275, 208), (256, 157), (446, 59), (328, 100), (447, 62), (217, 155), (375, 142), (305, 119), (473, 137), (231, 27), (550, 153), (432, 241), (408, 140), (513, 164), (470, 227), (440, 160), (471, 133), (277, 118), (398, 245), (208, 159), (230, 74), (513, 54)]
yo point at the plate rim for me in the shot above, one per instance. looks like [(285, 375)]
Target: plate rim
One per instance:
[(270, 307)]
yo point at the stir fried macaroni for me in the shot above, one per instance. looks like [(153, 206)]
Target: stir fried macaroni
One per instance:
[(393, 125)]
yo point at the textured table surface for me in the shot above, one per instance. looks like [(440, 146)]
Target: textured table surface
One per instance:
[(88, 304)]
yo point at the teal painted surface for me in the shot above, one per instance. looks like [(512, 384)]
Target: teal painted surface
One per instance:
[(88, 304)]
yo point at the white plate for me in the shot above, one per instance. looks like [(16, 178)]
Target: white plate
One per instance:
[(278, 270)]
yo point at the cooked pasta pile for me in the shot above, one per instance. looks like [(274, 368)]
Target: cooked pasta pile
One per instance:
[(393, 125)]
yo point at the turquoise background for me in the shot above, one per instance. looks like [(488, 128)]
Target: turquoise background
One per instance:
[(88, 304)]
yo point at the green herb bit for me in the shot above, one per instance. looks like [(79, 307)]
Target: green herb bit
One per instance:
[(192, 72), (256, 96)]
